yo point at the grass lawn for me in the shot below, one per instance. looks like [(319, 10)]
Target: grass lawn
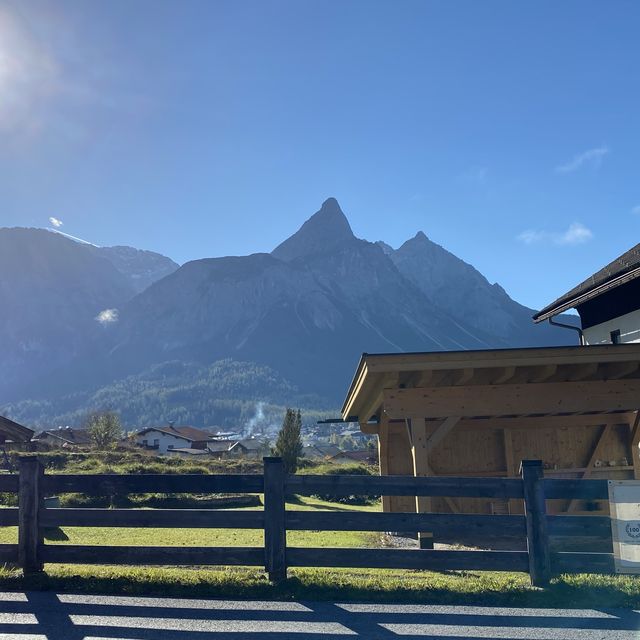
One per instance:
[(211, 537), (388, 585)]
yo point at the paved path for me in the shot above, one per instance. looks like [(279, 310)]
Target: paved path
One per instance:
[(51, 616)]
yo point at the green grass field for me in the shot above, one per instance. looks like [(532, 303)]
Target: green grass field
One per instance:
[(210, 537)]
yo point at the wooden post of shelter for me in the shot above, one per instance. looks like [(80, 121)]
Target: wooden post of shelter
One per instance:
[(30, 502), (275, 535), (536, 519)]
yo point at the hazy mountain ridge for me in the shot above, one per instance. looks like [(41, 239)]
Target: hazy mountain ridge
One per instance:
[(459, 287), (51, 290), (141, 268), (306, 311), (226, 393)]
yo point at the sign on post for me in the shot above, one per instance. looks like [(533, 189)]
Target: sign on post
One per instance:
[(624, 501)]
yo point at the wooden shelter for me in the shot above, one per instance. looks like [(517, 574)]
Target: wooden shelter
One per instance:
[(479, 413), (14, 432)]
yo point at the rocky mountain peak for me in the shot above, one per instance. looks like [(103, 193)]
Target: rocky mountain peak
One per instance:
[(323, 231), (419, 242)]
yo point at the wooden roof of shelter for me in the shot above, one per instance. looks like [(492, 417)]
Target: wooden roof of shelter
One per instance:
[(623, 269), (506, 384), (10, 430)]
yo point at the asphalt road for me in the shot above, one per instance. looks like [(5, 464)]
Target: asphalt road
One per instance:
[(51, 616)]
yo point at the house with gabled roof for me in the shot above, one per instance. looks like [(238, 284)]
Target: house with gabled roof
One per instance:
[(64, 437), (608, 302), (250, 448), (163, 439)]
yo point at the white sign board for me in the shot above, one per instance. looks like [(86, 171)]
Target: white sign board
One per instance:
[(624, 502)]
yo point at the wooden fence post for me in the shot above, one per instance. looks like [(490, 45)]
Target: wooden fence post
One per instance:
[(30, 501), (275, 535), (536, 518)]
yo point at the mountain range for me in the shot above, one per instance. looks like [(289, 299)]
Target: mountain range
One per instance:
[(78, 319)]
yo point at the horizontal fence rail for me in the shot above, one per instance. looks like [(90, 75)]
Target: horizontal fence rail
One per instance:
[(8, 483), (9, 517), (439, 524), (409, 559), (566, 489), (405, 486), (93, 554), (161, 518), (554, 543), (112, 484)]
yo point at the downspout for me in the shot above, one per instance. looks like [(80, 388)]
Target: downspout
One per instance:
[(568, 326)]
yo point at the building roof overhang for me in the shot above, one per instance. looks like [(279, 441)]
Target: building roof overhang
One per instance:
[(11, 430), (506, 383)]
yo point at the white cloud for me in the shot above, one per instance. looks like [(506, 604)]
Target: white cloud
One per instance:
[(108, 316), (576, 233), (56, 222), (591, 157)]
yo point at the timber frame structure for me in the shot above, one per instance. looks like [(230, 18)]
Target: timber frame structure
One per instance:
[(479, 413), (10, 430)]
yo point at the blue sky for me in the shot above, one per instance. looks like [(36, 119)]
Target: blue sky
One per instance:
[(507, 131)]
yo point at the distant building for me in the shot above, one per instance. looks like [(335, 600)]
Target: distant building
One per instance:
[(608, 302), (250, 448), (64, 437), (163, 439), (219, 448)]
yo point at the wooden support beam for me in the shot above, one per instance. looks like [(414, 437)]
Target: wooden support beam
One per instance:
[(604, 434), (545, 421), (505, 375), (583, 372), (383, 458), (441, 432), (421, 449), (541, 374), (510, 463), (420, 455), (513, 399), (370, 428), (616, 371), (464, 376)]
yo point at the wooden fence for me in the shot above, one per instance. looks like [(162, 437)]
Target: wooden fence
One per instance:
[(552, 541)]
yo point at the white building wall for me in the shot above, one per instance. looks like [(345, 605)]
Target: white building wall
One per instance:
[(628, 325), (164, 441)]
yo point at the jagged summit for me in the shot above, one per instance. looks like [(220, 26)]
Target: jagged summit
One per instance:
[(325, 229), (419, 241)]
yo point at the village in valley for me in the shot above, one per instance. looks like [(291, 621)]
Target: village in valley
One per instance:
[(334, 443)]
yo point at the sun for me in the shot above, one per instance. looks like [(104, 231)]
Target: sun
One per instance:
[(26, 72)]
